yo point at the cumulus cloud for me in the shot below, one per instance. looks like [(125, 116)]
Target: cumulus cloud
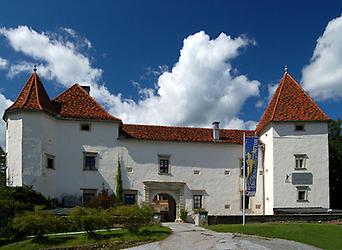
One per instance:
[(323, 76), (4, 103), (3, 63), (62, 61), (200, 88)]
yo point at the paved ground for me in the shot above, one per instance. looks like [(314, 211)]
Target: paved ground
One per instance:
[(187, 236)]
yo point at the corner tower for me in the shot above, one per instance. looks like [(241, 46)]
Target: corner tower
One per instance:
[(294, 131)]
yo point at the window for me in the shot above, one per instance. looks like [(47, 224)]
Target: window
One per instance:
[(197, 201), (299, 127), (50, 161), (196, 172), (129, 199), (300, 161), (246, 202), (226, 172), (85, 127), (89, 161), (88, 195), (302, 194), (129, 169), (164, 164)]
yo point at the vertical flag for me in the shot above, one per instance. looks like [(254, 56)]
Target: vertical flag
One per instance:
[(251, 164)]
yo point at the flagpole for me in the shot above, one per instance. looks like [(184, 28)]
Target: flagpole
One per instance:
[(243, 183)]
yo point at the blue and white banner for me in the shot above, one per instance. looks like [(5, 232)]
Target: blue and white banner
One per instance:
[(251, 164)]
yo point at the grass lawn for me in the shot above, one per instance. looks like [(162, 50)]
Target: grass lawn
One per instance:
[(326, 236), (114, 239)]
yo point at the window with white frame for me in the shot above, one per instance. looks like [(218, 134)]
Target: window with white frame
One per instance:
[(89, 161), (300, 161), (164, 164), (197, 200), (302, 193)]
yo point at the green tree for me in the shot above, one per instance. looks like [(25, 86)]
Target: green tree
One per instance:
[(118, 191), (335, 163), (2, 168)]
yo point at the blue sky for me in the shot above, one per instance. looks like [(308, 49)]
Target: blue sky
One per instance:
[(129, 51)]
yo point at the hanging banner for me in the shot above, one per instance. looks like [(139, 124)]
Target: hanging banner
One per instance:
[(251, 164)]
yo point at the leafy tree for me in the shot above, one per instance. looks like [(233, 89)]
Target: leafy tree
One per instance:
[(335, 163), (2, 168), (118, 191)]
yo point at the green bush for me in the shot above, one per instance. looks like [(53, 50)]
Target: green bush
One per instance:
[(133, 217), (14, 200), (36, 223), (90, 219), (183, 215)]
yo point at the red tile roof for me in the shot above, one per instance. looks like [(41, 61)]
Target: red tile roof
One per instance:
[(75, 102), (291, 103), (33, 96), (181, 134)]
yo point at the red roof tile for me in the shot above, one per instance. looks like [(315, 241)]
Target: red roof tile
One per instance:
[(75, 102), (291, 103), (33, 96), (181, 134)]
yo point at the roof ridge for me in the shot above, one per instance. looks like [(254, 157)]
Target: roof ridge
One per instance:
[(37, 92), (166, 126), (282, 83)]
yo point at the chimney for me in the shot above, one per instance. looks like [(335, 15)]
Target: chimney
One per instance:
[(216, 131), (86, 88)]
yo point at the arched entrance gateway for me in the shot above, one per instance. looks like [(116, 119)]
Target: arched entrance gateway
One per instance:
[(166, 197), (166, 205)]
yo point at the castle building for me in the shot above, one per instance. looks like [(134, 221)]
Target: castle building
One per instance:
[(69, 148)]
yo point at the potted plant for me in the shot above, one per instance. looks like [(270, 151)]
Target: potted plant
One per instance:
[(183, 215)]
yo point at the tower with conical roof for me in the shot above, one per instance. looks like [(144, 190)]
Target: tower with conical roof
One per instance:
[(294, 132)]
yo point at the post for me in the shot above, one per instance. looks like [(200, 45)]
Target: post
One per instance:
[(243, 183)]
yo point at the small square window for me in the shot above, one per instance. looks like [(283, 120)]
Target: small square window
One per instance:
[(299, 127), (257, 206), (50, 161), (302, 194), (227, 206), (197, 201), (164, 164), (129, 199), (226, 172), (129, 170), (300, 161), (196, 172), (88, 195), (89, 161), (85, 127)]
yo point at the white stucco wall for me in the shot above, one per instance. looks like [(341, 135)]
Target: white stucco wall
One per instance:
[(282, 142)]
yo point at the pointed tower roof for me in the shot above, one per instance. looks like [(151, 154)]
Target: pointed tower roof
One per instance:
[(33, 96), (76, 103), (291, 103)]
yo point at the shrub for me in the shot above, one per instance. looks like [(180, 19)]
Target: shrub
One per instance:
[(133, 217), (183, 214), (90, 219), (37, 223)]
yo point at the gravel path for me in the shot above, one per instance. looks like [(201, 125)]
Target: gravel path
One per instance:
[(188, 236)]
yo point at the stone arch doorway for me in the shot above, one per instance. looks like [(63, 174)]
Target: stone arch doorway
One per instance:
[(166, 205)]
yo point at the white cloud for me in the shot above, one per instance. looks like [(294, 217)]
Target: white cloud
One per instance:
[(200, 88), (271, 90), (61, 59), (323, 76), (3, 63), (4, 103)]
